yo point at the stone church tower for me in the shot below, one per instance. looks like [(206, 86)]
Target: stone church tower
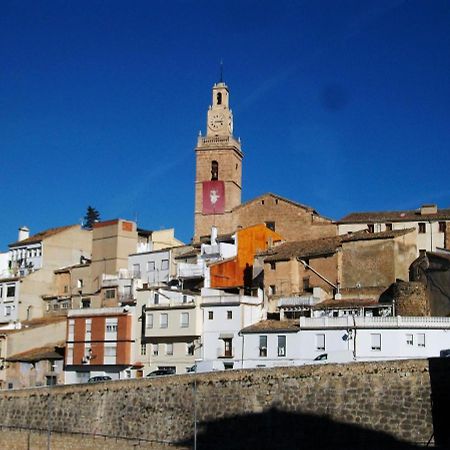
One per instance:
[(218, 179)]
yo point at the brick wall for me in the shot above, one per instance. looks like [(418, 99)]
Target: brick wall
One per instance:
[(359, 405)]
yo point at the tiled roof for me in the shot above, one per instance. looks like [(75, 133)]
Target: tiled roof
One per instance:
[(38, 237), (39, 354), (275, 326), (394, 216), (324, 246), (348, 303)]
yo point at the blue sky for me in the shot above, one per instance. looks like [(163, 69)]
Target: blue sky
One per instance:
[(343, 106)]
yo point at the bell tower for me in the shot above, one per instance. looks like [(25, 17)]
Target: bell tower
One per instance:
[(218, 179)]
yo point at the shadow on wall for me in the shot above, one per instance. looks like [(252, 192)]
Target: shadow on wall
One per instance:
[(282, 430), (440, 400)]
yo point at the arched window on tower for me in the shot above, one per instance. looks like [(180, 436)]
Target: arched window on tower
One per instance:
[(214, 170), (219, 98)]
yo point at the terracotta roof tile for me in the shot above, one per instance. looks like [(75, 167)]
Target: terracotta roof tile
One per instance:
[(325, 246), (394, 216), (38, 354), (38, 237), (268, 326)]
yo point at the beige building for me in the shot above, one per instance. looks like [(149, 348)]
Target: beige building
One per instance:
[(33, 260), (432, 225), (360, 265), (171, 329), (218, 186)]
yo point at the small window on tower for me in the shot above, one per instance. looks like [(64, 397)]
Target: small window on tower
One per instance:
[(214, 170), (219, 98)]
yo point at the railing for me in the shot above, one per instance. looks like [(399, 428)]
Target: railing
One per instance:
[(305, 300), (375, 322), (186, 270)]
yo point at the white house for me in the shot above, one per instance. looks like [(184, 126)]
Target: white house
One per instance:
[(224, 315), (344, 339)]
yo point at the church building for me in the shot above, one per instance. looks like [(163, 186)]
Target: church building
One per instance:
[(218, 186)]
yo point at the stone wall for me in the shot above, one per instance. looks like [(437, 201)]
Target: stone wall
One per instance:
[(360, 405), (410, 298)]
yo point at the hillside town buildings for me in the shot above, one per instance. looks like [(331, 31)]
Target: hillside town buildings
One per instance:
[(264, 283)]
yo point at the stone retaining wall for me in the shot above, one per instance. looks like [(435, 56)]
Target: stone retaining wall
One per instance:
[(325, 406)]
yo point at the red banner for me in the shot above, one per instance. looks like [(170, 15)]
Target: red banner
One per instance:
[(213, 197)]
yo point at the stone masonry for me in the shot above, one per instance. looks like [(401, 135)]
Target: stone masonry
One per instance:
[(361, 405)]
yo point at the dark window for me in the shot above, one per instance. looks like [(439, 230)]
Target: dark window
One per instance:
[(371, 227), (422, 227), (229, 314), (273, 265), (214, 170), (281, 345), (389, 227), (272, 289), (210, 315), (219, 98), (270, 225), (263, 346), (228, 347), (86, 303), (306, 285), (110, 293), (442, 227), (10, 291)]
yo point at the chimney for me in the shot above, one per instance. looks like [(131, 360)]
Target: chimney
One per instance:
[(428, 209), (213, 235), (24, 233)]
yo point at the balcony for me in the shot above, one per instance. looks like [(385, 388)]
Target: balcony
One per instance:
[(186, 270)]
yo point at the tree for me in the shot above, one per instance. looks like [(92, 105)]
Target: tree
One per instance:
[(92, 216)]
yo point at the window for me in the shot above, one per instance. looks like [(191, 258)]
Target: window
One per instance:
[(421, 340), (270, 225), (184, 320), (11, 290), (71, 330), (110, 293), (151, 266), (210, 315), (88, 325), (371, 227), (306, 286), (375, 340), (273, 265), (169, 349), (214, 170), (165, 264), (229, 315), (228, 347), (219, 98), (136, 270), (156, 298), (164, 320), (185, 299), (263, 346), (110, 354), (409, 339), (80, 283), (149, 321), (389, 227), (7, 310), (190, 348), (111, 325), (143, 349), (155, 349), (442, 227), (86, 303), (422, 227), (320, 342), (69, 354), (281, 345), (272, 289), (66, 289)]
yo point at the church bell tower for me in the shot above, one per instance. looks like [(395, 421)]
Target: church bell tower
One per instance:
[(218, 179)]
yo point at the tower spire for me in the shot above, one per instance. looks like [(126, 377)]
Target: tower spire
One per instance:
[(221, 71)]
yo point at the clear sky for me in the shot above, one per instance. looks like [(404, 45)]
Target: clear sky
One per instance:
[(340, 105)]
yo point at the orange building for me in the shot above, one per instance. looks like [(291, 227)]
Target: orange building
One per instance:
[(238, 271), (99, 342)]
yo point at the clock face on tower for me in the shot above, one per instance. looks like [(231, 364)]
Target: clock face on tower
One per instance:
[(217, 121)]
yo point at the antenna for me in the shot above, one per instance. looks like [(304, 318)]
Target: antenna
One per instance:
[(221, 71)]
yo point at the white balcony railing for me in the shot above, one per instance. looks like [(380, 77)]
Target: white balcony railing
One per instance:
[(375, 322), (186, 270)]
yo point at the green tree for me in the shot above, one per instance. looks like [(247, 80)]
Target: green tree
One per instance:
[(92, 216)]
